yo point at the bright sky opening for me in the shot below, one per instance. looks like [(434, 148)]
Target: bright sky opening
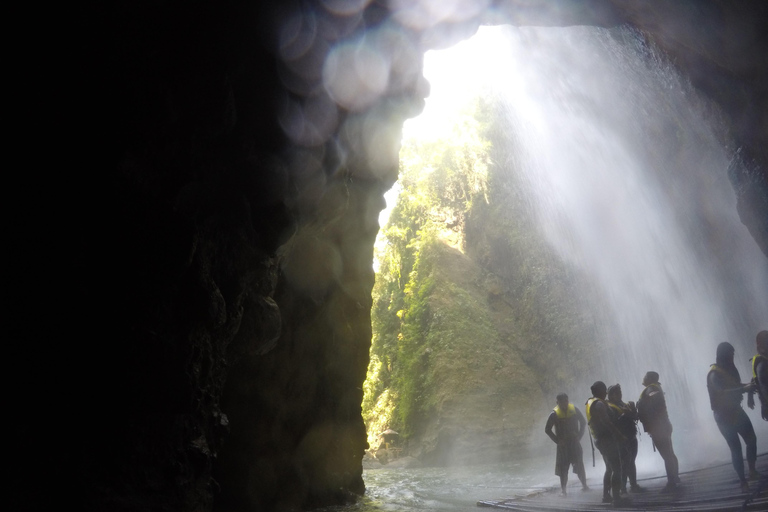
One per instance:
[(456, 75)]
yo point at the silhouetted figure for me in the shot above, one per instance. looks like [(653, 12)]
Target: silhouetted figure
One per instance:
[(652, 413), (760, 372), (725, 396), (627, 424), (569, 425), (602, 423)]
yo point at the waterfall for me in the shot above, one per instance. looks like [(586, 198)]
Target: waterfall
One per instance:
[(627, 170)]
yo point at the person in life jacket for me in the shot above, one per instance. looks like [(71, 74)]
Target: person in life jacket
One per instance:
[(652, 413), (569, 425), (760, 372), (602, 424), (627, 424), (725, 396)]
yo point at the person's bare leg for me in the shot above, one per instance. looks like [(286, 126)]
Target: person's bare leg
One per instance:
[(582, 474)]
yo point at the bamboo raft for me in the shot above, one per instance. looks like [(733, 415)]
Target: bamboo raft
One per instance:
[(711, 489)]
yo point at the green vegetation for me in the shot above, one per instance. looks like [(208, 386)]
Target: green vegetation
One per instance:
[(476, 323)]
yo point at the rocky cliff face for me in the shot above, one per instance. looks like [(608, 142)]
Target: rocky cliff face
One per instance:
[(478, 322), (191, 291)]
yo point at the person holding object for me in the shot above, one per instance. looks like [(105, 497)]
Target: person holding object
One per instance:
[(627, 424), (725, 395), (569, 425)]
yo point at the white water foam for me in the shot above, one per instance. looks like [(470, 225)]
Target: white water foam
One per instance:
[(627, 168)]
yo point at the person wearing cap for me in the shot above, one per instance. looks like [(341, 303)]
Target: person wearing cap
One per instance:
[(569, 425), (760, 372), (627, 424), (725, 396), (602, 423), (652, 413)]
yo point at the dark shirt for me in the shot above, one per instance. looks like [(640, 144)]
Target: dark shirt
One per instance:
[(602, 421), (652, 411), (627, 419), (725, 392)]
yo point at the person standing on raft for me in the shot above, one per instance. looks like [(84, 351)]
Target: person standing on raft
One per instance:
[(569, 425)]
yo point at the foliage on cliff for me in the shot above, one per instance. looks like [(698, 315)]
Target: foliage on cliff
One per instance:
[(473, 323), (439, 180)]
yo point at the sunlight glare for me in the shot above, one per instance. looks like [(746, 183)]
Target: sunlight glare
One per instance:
[(457, 75)]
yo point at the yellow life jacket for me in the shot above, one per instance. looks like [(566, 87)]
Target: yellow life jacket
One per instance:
[(728, 377), (716, 368), (626, 423), (589, 407), (755, 360), (763, 399), (651, 385), (617, 408), (719, 400), (589, 413), (570, 411)]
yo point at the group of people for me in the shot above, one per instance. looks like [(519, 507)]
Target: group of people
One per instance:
[(613, 430), (613, 425)]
